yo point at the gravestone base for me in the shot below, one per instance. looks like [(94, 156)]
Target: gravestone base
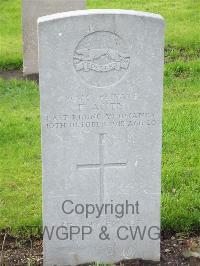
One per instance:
[(34, 77)]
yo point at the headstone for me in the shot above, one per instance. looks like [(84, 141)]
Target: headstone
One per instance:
[(101, 79), (31, 11)]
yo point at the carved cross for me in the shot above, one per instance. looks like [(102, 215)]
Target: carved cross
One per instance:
[(101, 165)]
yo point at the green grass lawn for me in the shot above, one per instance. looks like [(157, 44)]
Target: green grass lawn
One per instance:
[(20, 156), (10, 34), (182, 26)]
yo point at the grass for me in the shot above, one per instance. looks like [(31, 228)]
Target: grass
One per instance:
[(20, 157), (10, 34), (182, 26), (181, 134)]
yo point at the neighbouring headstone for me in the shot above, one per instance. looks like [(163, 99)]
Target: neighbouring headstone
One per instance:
[(101, 80), (31, 11)]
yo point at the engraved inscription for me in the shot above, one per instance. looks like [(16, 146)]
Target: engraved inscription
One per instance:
[(105, 110), (98, 120), (101, 165), (101, 59)]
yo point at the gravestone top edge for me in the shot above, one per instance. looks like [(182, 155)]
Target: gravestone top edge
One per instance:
[(76, 13)]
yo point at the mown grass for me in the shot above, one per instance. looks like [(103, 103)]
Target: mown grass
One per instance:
[(181, 146), (10, 34), (20, 155), (182, 26)]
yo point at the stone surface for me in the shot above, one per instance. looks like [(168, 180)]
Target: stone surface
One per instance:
[(31, 11), (101, 79)]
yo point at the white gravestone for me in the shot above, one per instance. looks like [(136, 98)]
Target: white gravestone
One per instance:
[(101, 80), (31, 11)]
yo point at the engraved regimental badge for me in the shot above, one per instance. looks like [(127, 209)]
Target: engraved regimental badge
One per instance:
[(101, 59)]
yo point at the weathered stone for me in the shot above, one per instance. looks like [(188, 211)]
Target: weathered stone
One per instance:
[(101, 79), (31, 11)]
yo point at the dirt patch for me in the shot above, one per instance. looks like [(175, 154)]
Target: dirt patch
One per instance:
[(177, 250), (20, 252), (11, 74), (173, 54), (17, 74)]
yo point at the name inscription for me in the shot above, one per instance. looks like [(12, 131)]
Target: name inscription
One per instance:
[(104, 110)]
